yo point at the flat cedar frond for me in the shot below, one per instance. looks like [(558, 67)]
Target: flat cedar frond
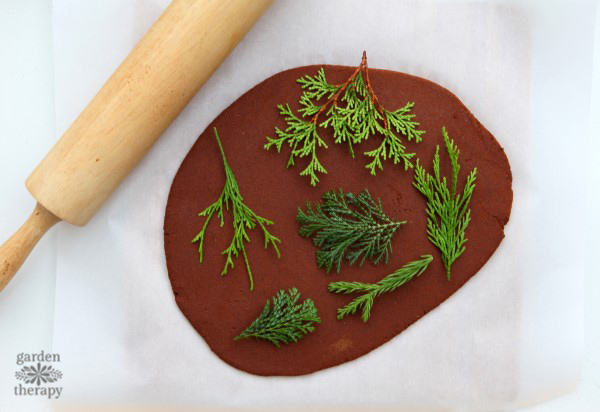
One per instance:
[(243, 219), (345, 224), (447, 212), (371, 290), (303, 139), (288, 321), (354, 113)]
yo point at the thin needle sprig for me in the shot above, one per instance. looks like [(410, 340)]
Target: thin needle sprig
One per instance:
[(372, 290), (243, 219)]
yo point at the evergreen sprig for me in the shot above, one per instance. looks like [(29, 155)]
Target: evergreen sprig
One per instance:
[(371, 290), (447, 212), (353, 111), (345, 224), (288, 321), (304, 140), (243, 219)]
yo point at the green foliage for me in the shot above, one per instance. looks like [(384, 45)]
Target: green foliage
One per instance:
[(371, 290), (391, 147), (303, 139), (243, 219), (354, 114), (345, 224), (447, 212), (287, 322)]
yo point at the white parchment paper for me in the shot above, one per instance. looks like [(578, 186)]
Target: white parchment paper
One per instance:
[(511, 336)]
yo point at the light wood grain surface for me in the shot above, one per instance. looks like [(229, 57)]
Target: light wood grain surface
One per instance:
[(16, 249), (139, 101)]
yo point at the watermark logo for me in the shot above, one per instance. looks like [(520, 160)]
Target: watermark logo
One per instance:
[(38, 374)]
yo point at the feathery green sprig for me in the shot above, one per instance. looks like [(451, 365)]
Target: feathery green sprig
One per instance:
[(447, 212), (288, 321), (371, 290), (243, 219), (304, 140), (354, 113), (345, 224)]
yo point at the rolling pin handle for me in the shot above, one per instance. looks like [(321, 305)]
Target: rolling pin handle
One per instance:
[(16, 249)]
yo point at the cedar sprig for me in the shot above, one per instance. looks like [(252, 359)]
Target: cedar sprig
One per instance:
[(372, 290), (243, 219), (304, 140), (347, 225), (447, 212), (286, 322), (353, 111)]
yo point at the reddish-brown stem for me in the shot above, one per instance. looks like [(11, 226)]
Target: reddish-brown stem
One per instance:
[(334, 99), (378, 105)]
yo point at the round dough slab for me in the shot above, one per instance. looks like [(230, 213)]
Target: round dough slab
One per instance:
[(219, 308)]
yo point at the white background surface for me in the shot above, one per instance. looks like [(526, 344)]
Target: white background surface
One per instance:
[(26, 132)]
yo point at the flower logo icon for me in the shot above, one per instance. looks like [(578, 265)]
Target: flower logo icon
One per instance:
[(39, 374)]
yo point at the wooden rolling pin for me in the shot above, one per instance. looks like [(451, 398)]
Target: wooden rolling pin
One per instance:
[(139, 101)]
